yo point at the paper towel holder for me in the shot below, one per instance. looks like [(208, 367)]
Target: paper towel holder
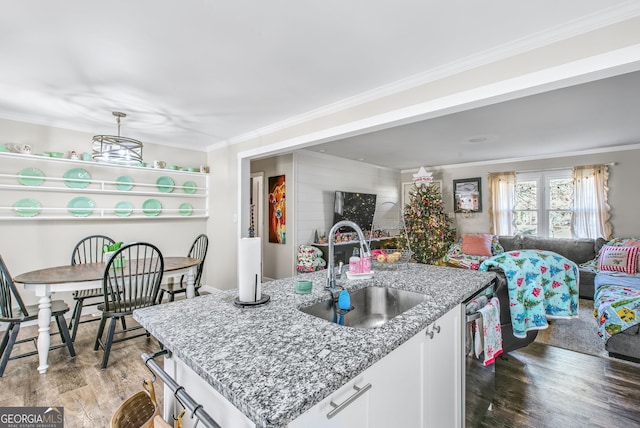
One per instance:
[(265, 299)]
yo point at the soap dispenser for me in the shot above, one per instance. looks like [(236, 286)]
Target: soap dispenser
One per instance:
[(354, 262)]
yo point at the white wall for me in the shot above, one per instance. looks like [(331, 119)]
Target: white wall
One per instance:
[(48, 138), (586, 54), (277, 258), (583, 56), (623, 180), (312, 179), (318, 178)]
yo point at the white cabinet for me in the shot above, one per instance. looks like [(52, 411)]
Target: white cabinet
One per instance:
[(396, 400), (443, 371), (348, 407), (387, 394), (217, 406), (419, 384), (41, 188)]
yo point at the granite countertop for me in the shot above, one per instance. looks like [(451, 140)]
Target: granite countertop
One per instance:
[(273, 362)]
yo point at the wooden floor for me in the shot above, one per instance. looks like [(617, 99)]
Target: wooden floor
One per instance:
[(88, 394), (538, 386), (544, 386)]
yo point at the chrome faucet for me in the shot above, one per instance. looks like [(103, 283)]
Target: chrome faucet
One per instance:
[(366, 251)]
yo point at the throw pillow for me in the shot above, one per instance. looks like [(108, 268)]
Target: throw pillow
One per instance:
[(618, 259), (477, 244)]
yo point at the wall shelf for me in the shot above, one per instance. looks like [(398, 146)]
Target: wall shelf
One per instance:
[(69, 189)]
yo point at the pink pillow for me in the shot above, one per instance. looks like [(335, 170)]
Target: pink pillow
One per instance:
[(618, 259), (477, 244)]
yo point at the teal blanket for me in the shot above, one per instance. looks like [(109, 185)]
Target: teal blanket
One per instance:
[(542, 284)]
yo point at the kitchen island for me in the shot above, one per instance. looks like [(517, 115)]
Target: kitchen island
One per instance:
[(272, 363)]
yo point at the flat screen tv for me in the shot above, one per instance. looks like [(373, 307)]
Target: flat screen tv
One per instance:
[(356, 207)]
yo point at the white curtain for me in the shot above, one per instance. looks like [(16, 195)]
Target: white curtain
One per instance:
[(590, 205), (502, 202)]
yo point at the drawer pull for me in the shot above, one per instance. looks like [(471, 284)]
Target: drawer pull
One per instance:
[(337, 408)]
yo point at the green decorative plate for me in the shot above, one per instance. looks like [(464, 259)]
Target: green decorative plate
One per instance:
[(185, 209), (123, 209), (165, 184), (189, 187), (81, 206), (77, 178), (27, 207), (31, 177), (151, 207), (124, 183)]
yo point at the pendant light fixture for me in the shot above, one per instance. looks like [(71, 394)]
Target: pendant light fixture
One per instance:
[(116, 149)]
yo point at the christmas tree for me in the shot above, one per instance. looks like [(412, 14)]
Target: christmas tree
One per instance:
[(429, 229)]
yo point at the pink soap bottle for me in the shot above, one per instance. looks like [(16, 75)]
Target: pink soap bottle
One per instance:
[(354, 262)]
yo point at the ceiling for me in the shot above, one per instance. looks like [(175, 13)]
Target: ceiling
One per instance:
[(591, 116), (199, 73)]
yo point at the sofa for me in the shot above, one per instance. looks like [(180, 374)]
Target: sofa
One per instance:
[(617, 297), (624, 344), (577, 250), (616, 306)]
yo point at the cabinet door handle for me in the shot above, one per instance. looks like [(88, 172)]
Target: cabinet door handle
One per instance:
[(434, 330), (337, 408)]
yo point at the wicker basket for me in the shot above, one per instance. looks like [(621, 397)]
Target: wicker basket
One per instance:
[(137, 411)]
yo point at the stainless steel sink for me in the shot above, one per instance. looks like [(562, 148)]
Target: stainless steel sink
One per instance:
[(372, 306)]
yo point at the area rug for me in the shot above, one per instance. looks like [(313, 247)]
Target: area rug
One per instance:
[(578, 334)]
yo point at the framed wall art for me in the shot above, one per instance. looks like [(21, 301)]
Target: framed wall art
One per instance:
[(277, 210), (467, 195)]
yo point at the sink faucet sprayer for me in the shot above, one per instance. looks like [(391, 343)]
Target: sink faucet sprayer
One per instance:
[(365, 251)]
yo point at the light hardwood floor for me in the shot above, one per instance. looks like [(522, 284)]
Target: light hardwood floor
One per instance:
[(88, 394), (538, 386)]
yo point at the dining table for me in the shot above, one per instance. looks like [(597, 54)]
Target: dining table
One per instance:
[(45, 282)]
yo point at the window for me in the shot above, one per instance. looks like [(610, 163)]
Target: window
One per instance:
[(544, 203)]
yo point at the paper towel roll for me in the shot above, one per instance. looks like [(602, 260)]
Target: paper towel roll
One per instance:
[(249, 269)]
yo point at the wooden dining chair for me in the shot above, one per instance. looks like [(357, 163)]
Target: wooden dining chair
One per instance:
[(87, 250), (131, 281), (15, 316), (198, 251)]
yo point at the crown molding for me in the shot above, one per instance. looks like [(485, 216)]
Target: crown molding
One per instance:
[(622, 148), (610, 16)]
